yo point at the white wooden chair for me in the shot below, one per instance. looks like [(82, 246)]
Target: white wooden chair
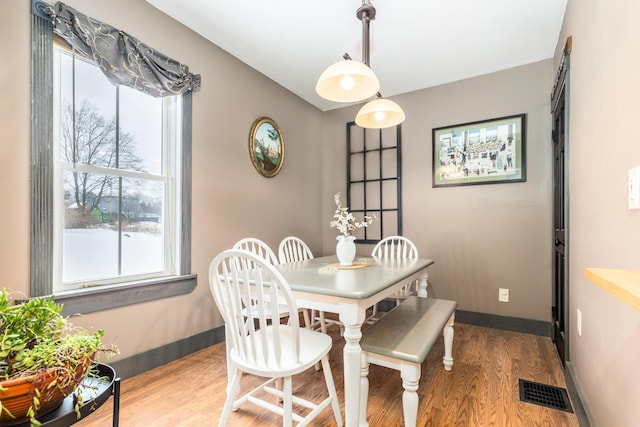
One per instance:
[(263, 250), (293, 249), (395, 247), (266, 349)]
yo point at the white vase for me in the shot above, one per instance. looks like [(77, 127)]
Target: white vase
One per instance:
[(345, 249)]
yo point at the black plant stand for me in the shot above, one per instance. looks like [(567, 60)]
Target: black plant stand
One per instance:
[(95, 390)]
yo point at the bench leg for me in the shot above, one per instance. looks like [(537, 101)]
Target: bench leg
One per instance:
[(364, 390), (448, 343), (410, 373)]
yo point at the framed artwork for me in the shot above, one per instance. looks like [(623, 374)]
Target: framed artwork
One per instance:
[(484, 152), (266, 147)]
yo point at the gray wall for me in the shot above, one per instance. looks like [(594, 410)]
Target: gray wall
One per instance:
[(604, 91), (482, 237)]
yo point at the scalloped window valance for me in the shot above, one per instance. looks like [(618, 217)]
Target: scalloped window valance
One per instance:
[(122, 58)]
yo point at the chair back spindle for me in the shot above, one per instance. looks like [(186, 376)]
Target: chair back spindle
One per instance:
[(292, 249), (257, 247), (395, 247)]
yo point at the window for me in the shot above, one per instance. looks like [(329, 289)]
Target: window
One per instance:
[(115, 189), (374, 171), (113, 164)]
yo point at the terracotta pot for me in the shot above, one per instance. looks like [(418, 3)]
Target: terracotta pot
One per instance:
[(17, 394)]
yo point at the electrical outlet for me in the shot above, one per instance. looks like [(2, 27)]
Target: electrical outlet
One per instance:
[(579, 322), (503, 295)]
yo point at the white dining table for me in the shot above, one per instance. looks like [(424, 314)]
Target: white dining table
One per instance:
[(319, 284)]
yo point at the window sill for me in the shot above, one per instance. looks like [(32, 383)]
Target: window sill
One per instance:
[(90, 300)]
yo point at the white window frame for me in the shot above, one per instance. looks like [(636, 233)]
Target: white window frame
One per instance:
[(171, 138)]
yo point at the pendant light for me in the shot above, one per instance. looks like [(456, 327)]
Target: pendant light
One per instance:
[(380, 113), (352, 81), (347, 81)]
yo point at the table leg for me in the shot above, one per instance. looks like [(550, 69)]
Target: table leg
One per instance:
[(422, 286), (352, 355), (352, 317), (364, 391)]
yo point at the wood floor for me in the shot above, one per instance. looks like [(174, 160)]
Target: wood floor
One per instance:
[(482, 389)]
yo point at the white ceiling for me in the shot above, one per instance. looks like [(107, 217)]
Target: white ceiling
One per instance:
[(414, 44)]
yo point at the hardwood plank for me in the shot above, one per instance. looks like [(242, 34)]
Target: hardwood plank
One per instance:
[(481, 390)]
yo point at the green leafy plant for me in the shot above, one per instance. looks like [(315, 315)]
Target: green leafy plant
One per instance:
[(37, 341)]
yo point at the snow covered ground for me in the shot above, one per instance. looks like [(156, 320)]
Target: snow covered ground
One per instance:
[(92, 253)]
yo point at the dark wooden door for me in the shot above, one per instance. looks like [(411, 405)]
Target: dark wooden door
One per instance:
[(560, 304), (560, 285)]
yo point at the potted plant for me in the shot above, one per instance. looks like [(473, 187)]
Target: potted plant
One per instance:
[(43, 358)]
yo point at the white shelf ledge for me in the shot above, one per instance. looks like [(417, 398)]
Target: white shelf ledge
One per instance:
[(622, 284)]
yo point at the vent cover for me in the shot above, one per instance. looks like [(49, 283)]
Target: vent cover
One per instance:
[(545, 395)]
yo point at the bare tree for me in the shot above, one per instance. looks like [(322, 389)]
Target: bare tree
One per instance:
[(96, 143)]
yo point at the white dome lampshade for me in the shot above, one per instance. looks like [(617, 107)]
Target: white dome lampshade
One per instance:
[(380, 113), (347, 81)]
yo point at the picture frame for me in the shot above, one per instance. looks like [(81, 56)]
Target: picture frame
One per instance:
[(266, 147), (483, 152)]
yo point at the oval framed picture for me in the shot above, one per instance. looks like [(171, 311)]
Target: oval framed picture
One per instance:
[(266, 147)]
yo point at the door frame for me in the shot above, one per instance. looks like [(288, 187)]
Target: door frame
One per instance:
[(562, 81)]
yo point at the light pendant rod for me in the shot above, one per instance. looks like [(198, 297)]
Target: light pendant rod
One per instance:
[(366, 13)]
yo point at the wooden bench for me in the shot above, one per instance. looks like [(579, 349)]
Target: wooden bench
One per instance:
[(401, 340)]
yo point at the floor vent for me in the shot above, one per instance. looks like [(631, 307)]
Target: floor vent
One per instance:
[(545, 395)]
